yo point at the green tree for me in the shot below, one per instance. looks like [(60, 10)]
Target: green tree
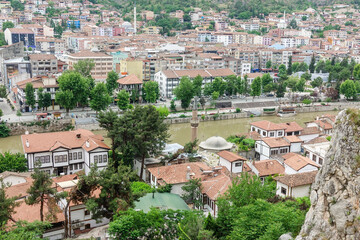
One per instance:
[(163, 111), (173, 105), (266, 79), (280, 90), (3, 92), (293, 24), (107, 121), (73, 89), (30, 95), (4, 130), (7, 205), (141, 188), (356, 72), (192, 192), (184, 92), (123, 100), (344, 74), (317, 82), (40, 94), (230, 85), (268, 64), (46, 101), (274, 218), (289, 68), (348, 89), (215, 95), (190, 147), (24, 230), (84, 67), (282, 73), (13, 162), (291, 83), (17, 5), (219, 85), (100, 98), (111, 82), (320, 67), (306, 76), (312, 64), (7, 25), (115, 187), (1, 113), (41, 191), (300, 85), (197, 83), (256, 87), (151, 91)]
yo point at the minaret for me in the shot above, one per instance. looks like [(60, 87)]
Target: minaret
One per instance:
[(135, 17), (194, 121)]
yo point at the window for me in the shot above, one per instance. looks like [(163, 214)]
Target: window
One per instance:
[(100, 158), (153, 178), (284, 150), (71, 167), (297, 133), (238, 164), (70, 156), (96, 159), (314, 158), (272, 134), (105, 158), (87, 212), (60, 158), (283, 190), (80, 166), (252, 129), (264, 133), (280, 133), (320, 161), (87, 226), (75, 167), (75, 156), (79, 155), (274, 152), (256, 146)]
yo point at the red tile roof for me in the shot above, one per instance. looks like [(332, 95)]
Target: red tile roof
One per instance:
[(298, 162), (298, 179), (267, 125), (231, 157), (293, 139), (45, 142), (269, 167), (291, 126), (215, 186), (276, 142), (129, 80)]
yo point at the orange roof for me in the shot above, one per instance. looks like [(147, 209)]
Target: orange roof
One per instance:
[(323, 124), (275, 142), (298, 162), (177, 173), (215, 186), (231, 157), (89, 54), (129, 80), (267, 125), (45, 142), (291, 126), (298, 179), (31, 213), (310, 131), (19, 190), (293, 139), (269, 167)]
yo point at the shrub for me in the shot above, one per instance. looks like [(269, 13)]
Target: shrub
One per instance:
[(4, 130), (252, 115), (182, 116), (238, 110), (328, 99)]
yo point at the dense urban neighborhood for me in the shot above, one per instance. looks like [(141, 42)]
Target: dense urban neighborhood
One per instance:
[(197, 120)]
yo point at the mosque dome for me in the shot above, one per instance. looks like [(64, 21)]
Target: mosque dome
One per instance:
[(216, 143)]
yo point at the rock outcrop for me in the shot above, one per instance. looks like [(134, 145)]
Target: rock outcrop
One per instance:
[(334, 213)]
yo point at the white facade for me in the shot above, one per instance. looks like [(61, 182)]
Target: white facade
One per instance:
[(265, 151), (286, 191), (265, 133), (233, 167), (295, 147), (245, 68), (307, 168), (317, 151)]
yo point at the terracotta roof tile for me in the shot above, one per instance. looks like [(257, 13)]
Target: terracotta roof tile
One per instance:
[(231, 157), (310, 131), (216, 186), (129, 80), (175, 174), (84, 54), (267, 125), (36, 57), (269, 167), (44, 142), (293, 139), (298, 162), (275, 142), (291, 126), (298, 179)]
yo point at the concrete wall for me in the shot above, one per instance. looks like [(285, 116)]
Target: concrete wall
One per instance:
[(36, 127)]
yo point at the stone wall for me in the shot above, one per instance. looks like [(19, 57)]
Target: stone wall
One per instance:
[(40, 126), (214, 117)]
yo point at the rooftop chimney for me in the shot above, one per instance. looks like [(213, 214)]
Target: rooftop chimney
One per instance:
[(78, 135), (188, 173), (87, 144), (27, 143)]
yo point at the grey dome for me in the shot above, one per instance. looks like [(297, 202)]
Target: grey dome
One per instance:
[(216, 143)]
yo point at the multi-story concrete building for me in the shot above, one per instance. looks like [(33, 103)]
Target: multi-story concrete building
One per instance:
[(50, 45), (168, 80), (15, 35), (62, 153), (43, 64), (103, 63)]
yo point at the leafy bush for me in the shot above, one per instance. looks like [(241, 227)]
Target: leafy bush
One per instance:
[(328, 99), (140, 188), (238, 110), (164, 189), (307, 101), (182, 116), (328, 138), (4, 130), (14, 162)]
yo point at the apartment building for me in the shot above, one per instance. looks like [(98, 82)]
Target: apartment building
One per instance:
[(50, 45), (168, 80), (103, 63), (43, 64), (63, 153), (15, 35)]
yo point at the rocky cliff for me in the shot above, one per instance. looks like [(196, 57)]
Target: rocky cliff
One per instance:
[(334, 213)]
